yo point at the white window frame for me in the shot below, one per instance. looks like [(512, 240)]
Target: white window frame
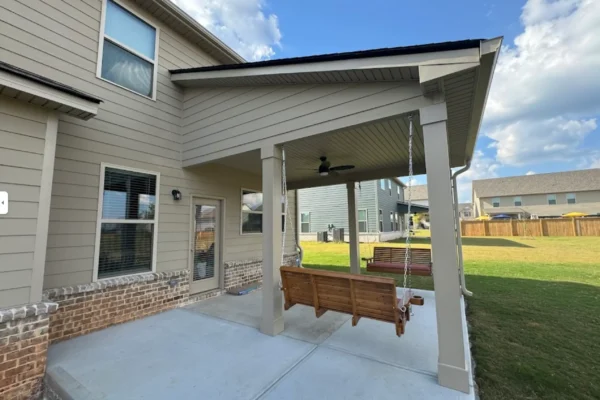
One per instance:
[(305, 213), (517, 199), (494, 202), (548, 198), (119, 44), (366, 220), (100, 220), (251, 212), (574, 198), (380, 220)]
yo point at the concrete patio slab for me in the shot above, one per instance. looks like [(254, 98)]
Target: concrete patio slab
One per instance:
[(214, 350), (174, 355), (417, 349), (300, 321), (331, 374)]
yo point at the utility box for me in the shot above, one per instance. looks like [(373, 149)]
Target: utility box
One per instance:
[(338, 235), (322, 236)]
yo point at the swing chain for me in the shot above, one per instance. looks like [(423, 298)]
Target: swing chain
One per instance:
[(408, 253)]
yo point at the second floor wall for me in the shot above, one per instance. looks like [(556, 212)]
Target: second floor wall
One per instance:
[(540, 199)]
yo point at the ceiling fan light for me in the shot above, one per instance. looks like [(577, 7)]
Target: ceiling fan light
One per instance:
[(324, 173)]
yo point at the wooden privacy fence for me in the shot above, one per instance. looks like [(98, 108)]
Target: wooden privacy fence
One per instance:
[(533, 227)]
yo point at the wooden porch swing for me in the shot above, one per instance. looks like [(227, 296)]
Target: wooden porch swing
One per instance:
[(361, 296)]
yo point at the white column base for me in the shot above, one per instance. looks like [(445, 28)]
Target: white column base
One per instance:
[(273, 328), (454, 378)]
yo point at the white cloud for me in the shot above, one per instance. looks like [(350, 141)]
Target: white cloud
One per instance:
[(482, 167), (530, 173), (534, 141), (241, 24), (545, 94)]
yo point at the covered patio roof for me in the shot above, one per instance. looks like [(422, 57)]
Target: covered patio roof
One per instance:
[(351, 107), (414, 208)]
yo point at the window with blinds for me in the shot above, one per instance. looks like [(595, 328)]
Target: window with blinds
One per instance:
[(127, 227)]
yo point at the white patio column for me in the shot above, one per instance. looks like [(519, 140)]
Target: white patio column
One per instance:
[(353, 228), (452, 368), (272, 306)]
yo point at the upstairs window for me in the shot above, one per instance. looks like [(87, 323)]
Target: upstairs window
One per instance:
[(380, 221), (571, 199), (382, 184), (126, 229), (398, 187), (517, 201), (128, 53), (551, 199), (496, 202), (390, 186)]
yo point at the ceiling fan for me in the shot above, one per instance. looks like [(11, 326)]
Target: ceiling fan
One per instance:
[(325, 168)]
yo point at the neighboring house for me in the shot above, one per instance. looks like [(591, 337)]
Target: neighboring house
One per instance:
[(418, 195), (380, 215), (143, 160), (465, 211), (541, 195)]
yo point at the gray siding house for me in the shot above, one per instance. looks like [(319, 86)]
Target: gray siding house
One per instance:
[(379, 217), (141, 165), (542, 195)]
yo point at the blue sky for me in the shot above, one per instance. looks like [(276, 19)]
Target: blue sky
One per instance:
[(545, 99)]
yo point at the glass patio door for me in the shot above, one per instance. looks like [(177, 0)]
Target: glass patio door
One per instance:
[(206, 233)]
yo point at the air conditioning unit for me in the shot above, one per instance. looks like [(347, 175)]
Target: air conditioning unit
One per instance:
[(322, 236), (338, 235)]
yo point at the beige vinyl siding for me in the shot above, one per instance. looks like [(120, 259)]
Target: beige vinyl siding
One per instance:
[(22, 132), (226, 121), (59, 39)]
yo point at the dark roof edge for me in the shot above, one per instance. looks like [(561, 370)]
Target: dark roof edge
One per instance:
[(47, 82), (388, 51)]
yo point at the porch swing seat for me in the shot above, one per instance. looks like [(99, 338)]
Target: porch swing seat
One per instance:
[(391, 260), (358, 295)]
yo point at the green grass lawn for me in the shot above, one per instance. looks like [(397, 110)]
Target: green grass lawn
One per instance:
[(534, 317)]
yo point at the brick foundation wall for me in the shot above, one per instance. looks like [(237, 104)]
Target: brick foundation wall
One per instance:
[(23, 350), (240, 273), (87, 308)]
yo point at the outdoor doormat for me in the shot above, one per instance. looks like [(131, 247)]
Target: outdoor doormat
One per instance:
[(241, 290)]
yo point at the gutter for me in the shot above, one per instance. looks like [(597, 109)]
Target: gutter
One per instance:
[(457, 233)]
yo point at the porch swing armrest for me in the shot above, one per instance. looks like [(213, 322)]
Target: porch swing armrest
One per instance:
[(367, 259)]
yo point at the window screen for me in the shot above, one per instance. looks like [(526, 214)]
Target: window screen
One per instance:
[(551, 199), (362, 221), (571, 199), (128, 222)]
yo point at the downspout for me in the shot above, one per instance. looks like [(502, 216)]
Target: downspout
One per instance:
[(461, 267), (297, 230)]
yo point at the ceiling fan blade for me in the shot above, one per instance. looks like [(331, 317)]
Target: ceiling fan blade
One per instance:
[(341, 167)]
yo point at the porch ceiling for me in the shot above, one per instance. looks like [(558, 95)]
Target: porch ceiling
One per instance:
[(377, 150), (377, 143)]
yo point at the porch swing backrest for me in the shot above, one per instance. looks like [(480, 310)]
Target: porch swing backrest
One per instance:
[(397, 254), (361, 296)]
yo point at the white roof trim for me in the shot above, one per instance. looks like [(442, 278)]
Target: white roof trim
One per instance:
[(43, 91), (407, 60)]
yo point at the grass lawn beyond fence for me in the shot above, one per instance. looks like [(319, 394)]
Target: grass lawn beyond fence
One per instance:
[(534, 317)]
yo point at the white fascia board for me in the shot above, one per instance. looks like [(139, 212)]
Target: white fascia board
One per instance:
[(428, 73), (40, 90), (408, 60)]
